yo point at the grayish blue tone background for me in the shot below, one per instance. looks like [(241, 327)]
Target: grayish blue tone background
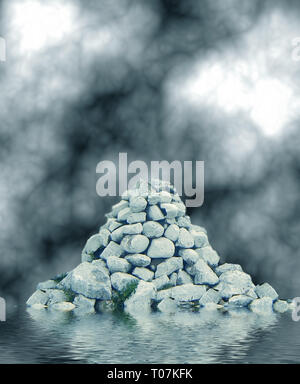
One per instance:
[(161, 79)]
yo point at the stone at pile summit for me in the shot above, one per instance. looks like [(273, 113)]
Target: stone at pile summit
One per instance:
[(148, 256)]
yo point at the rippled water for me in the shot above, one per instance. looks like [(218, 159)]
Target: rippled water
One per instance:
[(35, 336)]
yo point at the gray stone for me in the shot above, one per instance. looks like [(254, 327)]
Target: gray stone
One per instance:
[(172, 232), (173, 279), (181, 210), (89, 279), (84, 305), (265, 290), (200, 238), (161, 248), (143, 273), (184, 222), (117, 234), (169, 210), (209, 255), (132, 229), (240, 301), (94, 243), (135, 243), (123, 214), (190, 256), (139, 217), (183, 278), (187, 292), (112, 249), (56, 296), (119, 207), (210, 296), (64, 306), (155, 213), (165, 197), (138, 260), (137, 204), (117, 264), (280, 306), (169, 266), (139, 302), (112, 224), (262, 306), (161, 282), (38, 297), (167, 305), (227, 267), (154, 198), (153, 229), (204, 274), (120, 280), (49, 284), (185, 239), (234, 283)]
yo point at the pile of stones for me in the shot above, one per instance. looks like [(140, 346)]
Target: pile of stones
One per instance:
[(149, 256)]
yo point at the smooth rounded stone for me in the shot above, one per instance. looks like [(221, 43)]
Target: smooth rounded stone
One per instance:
[(139, 302), (169, 210), (113, 249), (280, 306), (84, 305), (262, 306), (161, 282), (138, 260), (56, 296), (210, 296), (190, 256), (139, 217), (187, 292), (173, 279), (169, 266), (154, 213), (104, 234), (185, 239), (105, 306), (38, 297), (64, 306), (183, 278), (119, 207), (117, 234), (200, 239), (234, 283), (123, 214), (212, 306), (165, 197), (120, 280), (154, 198), (94, 243), (86, 257), (111, 224), (135, 243), (143, 273), (181, 210), (197, 228), (170, 221), (137, 204), (132, 229), (152, 229), (89, 279), (209, 255), (172, 232), (240, 300), (117, 264), (161, 248), (204, 274), (265, 290), (227, 267), (184, 222), (49, 284), (167, 305)]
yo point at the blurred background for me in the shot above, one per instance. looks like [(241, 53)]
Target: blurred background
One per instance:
[(161, 80)]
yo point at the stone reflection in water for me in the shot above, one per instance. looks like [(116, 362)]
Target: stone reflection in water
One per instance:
[(183, 337)]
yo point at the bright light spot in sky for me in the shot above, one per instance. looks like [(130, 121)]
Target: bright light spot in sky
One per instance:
[(251, 79), (40, 25)]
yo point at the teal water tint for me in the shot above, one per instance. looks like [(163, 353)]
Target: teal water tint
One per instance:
[(41, 336)]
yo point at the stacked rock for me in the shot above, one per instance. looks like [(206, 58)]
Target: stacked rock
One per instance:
[(149, 256)]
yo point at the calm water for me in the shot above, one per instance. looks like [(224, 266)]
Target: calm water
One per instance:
[(207, 337)]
